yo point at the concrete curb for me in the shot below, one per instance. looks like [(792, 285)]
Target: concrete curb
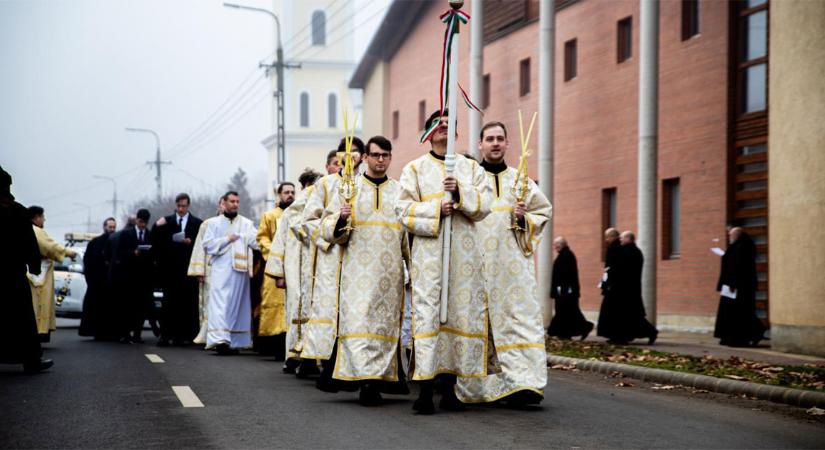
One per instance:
[(788, 396)]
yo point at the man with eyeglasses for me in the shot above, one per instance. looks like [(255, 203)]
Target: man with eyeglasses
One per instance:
[(457, 347), (371, 298)]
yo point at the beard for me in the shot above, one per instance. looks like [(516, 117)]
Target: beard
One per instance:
[(230, 215)]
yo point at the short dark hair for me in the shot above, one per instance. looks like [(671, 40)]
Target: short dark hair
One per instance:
[(435, 115), (143, 214), (489, 125), (332, 154), (281, 186), (228, 193), (35, 211), (382, 143), (308, 178), (183, 196), (357, 145), (107, 220)]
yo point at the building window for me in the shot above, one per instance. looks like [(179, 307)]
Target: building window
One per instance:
[(395, 124), (485, 91), (422, 113), (524, 77), (690, 19), (624, 39), (304, 109), (319, 28), (332, 111), (753, 57), (671, 219), (608, 214), (570, 60)]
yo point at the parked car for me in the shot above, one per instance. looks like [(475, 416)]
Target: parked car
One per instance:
[(69, 286)]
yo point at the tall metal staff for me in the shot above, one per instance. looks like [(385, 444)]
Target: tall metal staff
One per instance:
[(449, 88)]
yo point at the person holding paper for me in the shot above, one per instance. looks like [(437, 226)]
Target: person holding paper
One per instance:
[(173, 237), (736, 321)]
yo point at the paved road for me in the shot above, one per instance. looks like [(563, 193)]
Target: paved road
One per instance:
[(111, 395)]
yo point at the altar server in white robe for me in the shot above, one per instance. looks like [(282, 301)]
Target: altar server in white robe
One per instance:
[(322, 325), (199, 266), (508, 237), (458, 347), (371, 283), (228, 242)]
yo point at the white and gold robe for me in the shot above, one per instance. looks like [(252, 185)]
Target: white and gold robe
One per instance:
[(199, 265), (320, 329), (512, 297), (272, 309), (42, 286), (371, 282), (291, 244), (230, 317), (459, 346)]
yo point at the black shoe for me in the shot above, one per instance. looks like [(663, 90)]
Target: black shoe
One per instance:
[(424, 406), (370, 396), (652, 338), (523, 398), (307, 369), (163, 342), (224, 350), (450, 402), (587, 333), (325, 384), (38, 366)]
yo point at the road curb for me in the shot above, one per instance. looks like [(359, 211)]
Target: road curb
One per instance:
[(788, 396)]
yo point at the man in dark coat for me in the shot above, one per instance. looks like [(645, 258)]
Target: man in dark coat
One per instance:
[(173, 237), (97, 321), (568, 320), (131, 276), (18, 327), (736, 321), (622, 317)]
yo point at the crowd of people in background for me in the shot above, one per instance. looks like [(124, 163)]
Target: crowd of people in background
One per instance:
[(349, 286)]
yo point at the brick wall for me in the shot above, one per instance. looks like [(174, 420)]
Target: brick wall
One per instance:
[(596, 129)]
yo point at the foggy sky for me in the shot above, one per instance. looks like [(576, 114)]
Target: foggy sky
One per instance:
[(74, 73)]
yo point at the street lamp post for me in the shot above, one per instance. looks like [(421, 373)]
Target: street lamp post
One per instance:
[(114, 192), (279, 93), (157, 162)]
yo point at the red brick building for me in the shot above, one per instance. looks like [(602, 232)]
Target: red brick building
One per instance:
[(712, 133)]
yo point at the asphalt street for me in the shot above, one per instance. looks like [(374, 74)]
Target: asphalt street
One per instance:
[(111, 395)]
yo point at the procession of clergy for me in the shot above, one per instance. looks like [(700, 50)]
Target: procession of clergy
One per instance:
[(338, 273)]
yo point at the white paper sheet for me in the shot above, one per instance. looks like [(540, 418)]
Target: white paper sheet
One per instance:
[(179, 237), (718, 251), (727, 292)]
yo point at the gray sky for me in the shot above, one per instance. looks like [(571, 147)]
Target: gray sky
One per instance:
[(74, 73)]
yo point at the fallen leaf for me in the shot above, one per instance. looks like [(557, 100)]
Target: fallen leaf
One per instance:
[(666, 387), (699, 391), (735, 377), (774, 369), (624, 384), (816, 411)]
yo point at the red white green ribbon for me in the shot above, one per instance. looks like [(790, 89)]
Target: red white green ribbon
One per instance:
[(452, 18)]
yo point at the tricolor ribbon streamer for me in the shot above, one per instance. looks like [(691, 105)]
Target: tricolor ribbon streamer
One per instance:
[(452, 18)]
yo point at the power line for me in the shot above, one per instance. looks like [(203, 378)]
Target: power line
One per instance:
[(216, 117), (295, 35), (226, 127)]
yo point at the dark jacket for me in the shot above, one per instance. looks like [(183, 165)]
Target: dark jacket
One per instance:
[(739, 268), (565, 281), (173, 257)]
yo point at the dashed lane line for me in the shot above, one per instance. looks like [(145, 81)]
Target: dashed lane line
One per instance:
[(187, 397), (154, 358)]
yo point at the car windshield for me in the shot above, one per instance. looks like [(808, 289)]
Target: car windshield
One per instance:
[(67, 265)]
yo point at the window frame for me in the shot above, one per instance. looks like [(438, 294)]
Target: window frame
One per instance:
[(524, 76), (304, 111), (624, 39), (571, 59), (318, 37)]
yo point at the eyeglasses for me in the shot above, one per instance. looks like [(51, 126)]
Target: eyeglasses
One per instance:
[(380, 155)]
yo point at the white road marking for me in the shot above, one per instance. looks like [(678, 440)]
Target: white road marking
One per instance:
[(187, 397), (154, 358)]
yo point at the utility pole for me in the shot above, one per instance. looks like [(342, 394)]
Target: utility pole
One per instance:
[(158, 163), (279, 67), (547, 45), (648, 142), (114, 192)]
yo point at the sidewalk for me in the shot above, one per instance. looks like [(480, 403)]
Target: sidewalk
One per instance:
[(701, 344)]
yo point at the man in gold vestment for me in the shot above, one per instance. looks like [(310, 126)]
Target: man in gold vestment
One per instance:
[(42, 285)]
